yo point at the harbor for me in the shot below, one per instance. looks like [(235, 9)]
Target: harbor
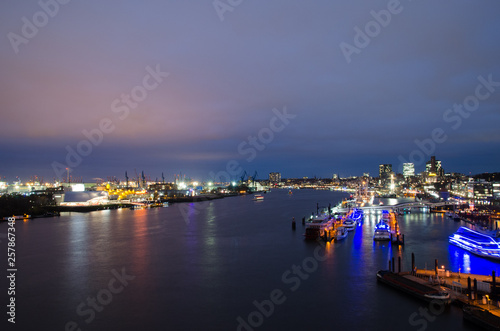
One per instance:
[(477, 295), (220, 242)]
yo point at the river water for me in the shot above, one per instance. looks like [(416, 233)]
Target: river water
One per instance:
[(229, 264)]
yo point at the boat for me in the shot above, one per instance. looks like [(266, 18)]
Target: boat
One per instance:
[(386, 217), (405, 283), (481, 317), (476, 243), (485, 230), (382, 231), (453, 215), (340, 233), (349, 224), (258, 197), (17, 217), (317, 227), (290, 192), (357, 215)]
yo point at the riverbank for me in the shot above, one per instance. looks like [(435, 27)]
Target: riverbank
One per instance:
[(24, 207)]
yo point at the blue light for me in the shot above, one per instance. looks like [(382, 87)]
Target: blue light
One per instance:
[(476, 243)]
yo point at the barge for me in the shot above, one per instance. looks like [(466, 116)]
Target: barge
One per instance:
[(413, 287)]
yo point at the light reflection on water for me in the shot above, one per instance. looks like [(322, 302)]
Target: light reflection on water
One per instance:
[(204, 273)]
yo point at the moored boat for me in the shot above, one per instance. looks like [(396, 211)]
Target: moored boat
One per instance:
[(382, 231), (476, 243), (413, 287), (17, 217), (317, 227), (349, 224), (340, 233), (258, 197), (485, 230)]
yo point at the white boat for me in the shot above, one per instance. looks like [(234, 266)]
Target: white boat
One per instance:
[(486, 231), (258, 197), (382, 231), (317, 226), (386, 217), (476, 243), (357, 215), (340, 233), (349, 224)]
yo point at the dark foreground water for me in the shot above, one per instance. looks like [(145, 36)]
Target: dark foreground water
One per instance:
[(221, 265)]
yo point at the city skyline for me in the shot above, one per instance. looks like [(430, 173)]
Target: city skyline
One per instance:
[(301, 89)]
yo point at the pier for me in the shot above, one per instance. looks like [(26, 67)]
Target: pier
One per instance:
[(478, 295)]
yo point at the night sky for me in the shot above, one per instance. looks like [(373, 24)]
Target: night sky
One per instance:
[(284, 85)]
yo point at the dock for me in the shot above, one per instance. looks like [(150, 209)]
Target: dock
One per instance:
[(478, 295), (397, 238)]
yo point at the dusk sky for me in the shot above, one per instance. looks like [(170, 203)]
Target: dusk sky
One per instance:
[(354, 100)]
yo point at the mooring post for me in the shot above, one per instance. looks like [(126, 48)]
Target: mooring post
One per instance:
[(393, 264), (475, 289), (469, 287), (293, 224), (436, 267), (399, 264), (413, 263), (389, 265), (493, 282)]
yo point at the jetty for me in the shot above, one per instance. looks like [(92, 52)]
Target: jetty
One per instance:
[(477, 295)]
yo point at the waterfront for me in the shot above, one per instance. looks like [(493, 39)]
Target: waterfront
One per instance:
[(201, 266)]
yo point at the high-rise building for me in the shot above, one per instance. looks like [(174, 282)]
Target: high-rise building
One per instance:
[(366, 174), (274, 177), (384, 170), (408, 170), (434, 168)]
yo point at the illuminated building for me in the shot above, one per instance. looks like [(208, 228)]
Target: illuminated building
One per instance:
[(85, 198), (385, 170), (274, 177), (408, 170), (434, 168), (481, 191), (496, 190)]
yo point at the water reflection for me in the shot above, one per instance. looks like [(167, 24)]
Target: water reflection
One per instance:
[(470, 263)]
